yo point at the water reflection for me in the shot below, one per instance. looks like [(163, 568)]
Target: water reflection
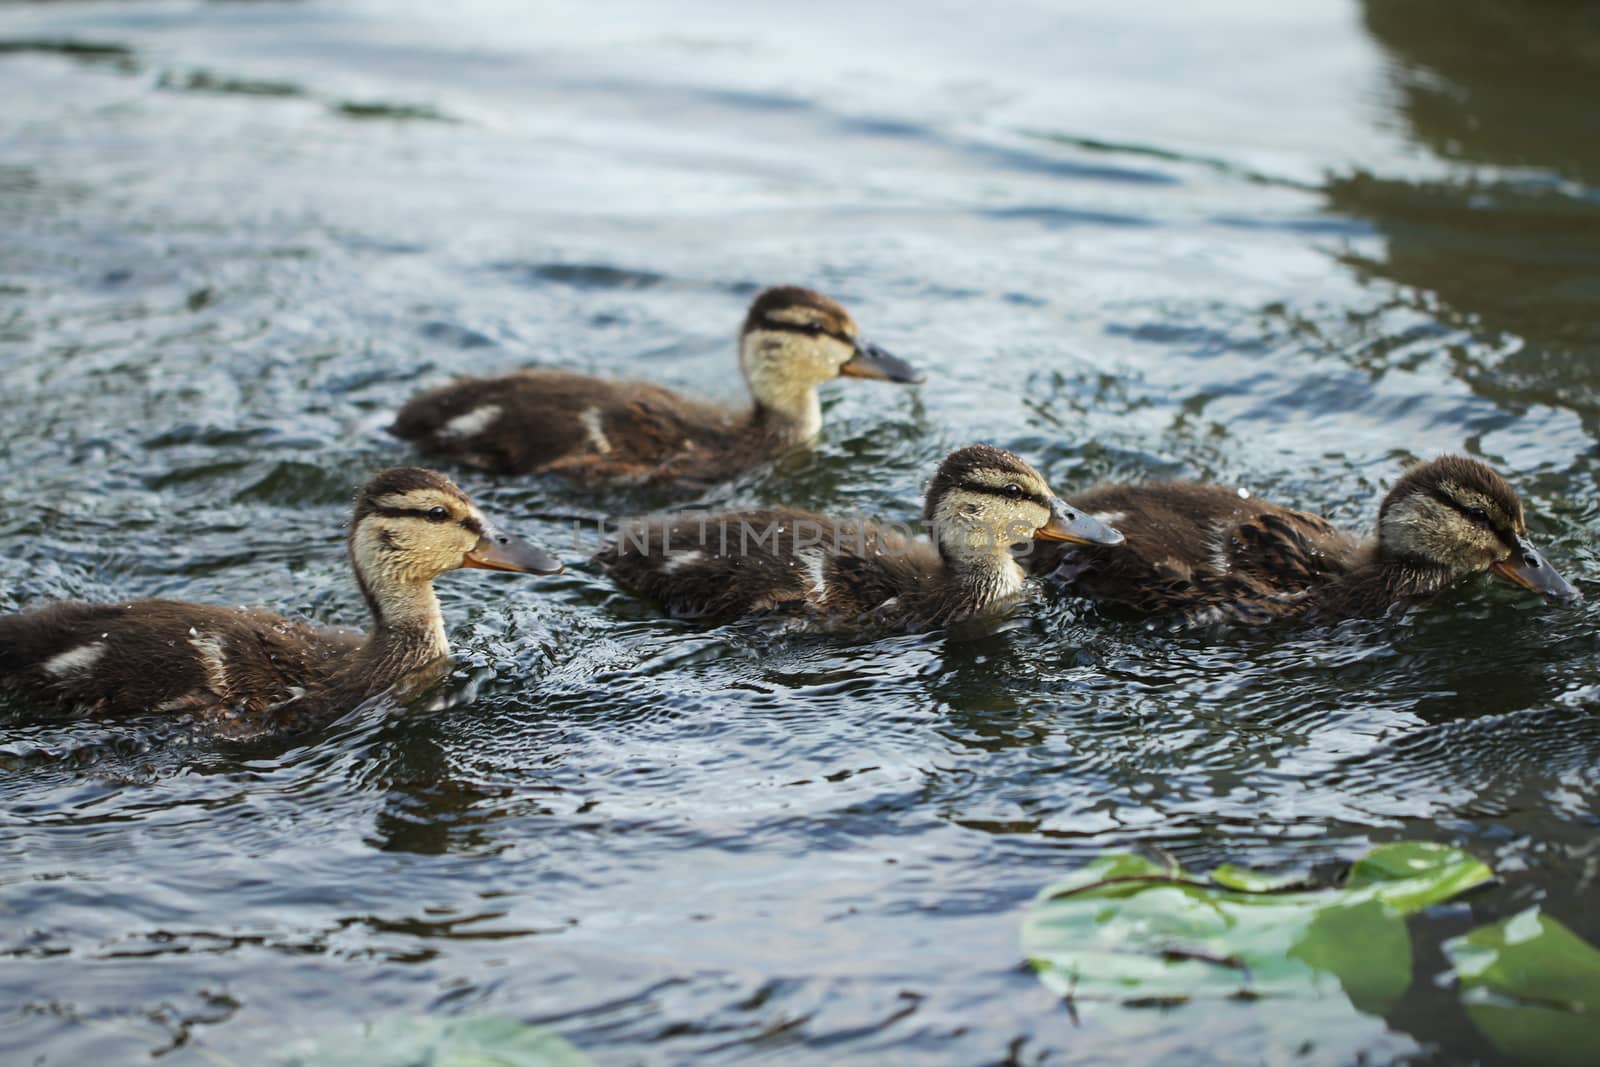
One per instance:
[(1507, 83), (1511, 243)]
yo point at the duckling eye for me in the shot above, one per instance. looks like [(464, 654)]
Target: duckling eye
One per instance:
[(1013, 490), (812, 328), (437, 513), (1478, 515)]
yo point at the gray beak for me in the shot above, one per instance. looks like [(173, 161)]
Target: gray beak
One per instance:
[(1528, 568), (1067, 523), (496, 551), (870, 361)]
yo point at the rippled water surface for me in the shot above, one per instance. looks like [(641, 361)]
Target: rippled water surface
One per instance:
[(1289, 246)]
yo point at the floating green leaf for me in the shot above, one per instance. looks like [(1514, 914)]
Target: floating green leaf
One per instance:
[(1411, 875), (1532, 986), (1125, 928), (480, 1041), (1232, 877)]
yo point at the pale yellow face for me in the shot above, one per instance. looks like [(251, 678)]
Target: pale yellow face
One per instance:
[(796, 347), (1466, 531), (416, 535), (990, 510)]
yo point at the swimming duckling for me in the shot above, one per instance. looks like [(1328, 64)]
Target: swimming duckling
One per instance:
[(1215, 553), (983, 504), (604, 430), (254, 669)]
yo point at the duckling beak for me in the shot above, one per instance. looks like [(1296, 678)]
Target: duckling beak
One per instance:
[(1067, 523), (496, 551), (1527, 568), (870, 361)]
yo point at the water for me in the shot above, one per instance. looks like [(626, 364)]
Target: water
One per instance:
[(1289, 246)]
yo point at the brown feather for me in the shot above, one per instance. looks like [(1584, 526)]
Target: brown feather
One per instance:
[(1199, 548), (171, 656), (650, 433)]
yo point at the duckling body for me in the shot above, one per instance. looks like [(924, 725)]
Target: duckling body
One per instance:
[(1214, 554), (599, 431), (783, 561), (982, 503), (254, 669), (97, 658), (592, 430), (1193, 548)]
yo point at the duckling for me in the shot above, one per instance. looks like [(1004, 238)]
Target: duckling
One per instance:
[(597, 431), (1216, 554), (253, 670), (982, 507)]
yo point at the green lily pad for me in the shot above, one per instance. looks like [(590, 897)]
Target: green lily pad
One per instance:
[(1532, 986), (1232, 877), (1124, 928), (1411, 875), (477, 1041)]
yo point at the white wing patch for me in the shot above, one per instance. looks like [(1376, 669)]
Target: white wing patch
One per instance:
[(1218, 540), (212, 660), (812, 559), (590, 420), (75, 660), (473, 422), (677, 561)]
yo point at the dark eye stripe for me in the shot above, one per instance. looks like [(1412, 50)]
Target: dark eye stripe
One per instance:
[(816, 330), (423, 514), (1509, 538), (989, 490)]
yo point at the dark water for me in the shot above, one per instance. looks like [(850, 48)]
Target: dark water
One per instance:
[(1287, 245)]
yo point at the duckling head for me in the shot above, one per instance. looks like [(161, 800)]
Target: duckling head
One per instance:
[(984, 503), (1456, 515), (795, 339), (412, 525)]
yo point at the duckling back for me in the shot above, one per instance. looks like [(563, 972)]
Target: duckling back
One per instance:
[(592, 430), (163, 655), (719, 567), (1203, 550)]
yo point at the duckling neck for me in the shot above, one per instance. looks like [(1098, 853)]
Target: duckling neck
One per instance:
[(979, 583), (1410, 578), (1378, 583), (785, 408), (407, 630)]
